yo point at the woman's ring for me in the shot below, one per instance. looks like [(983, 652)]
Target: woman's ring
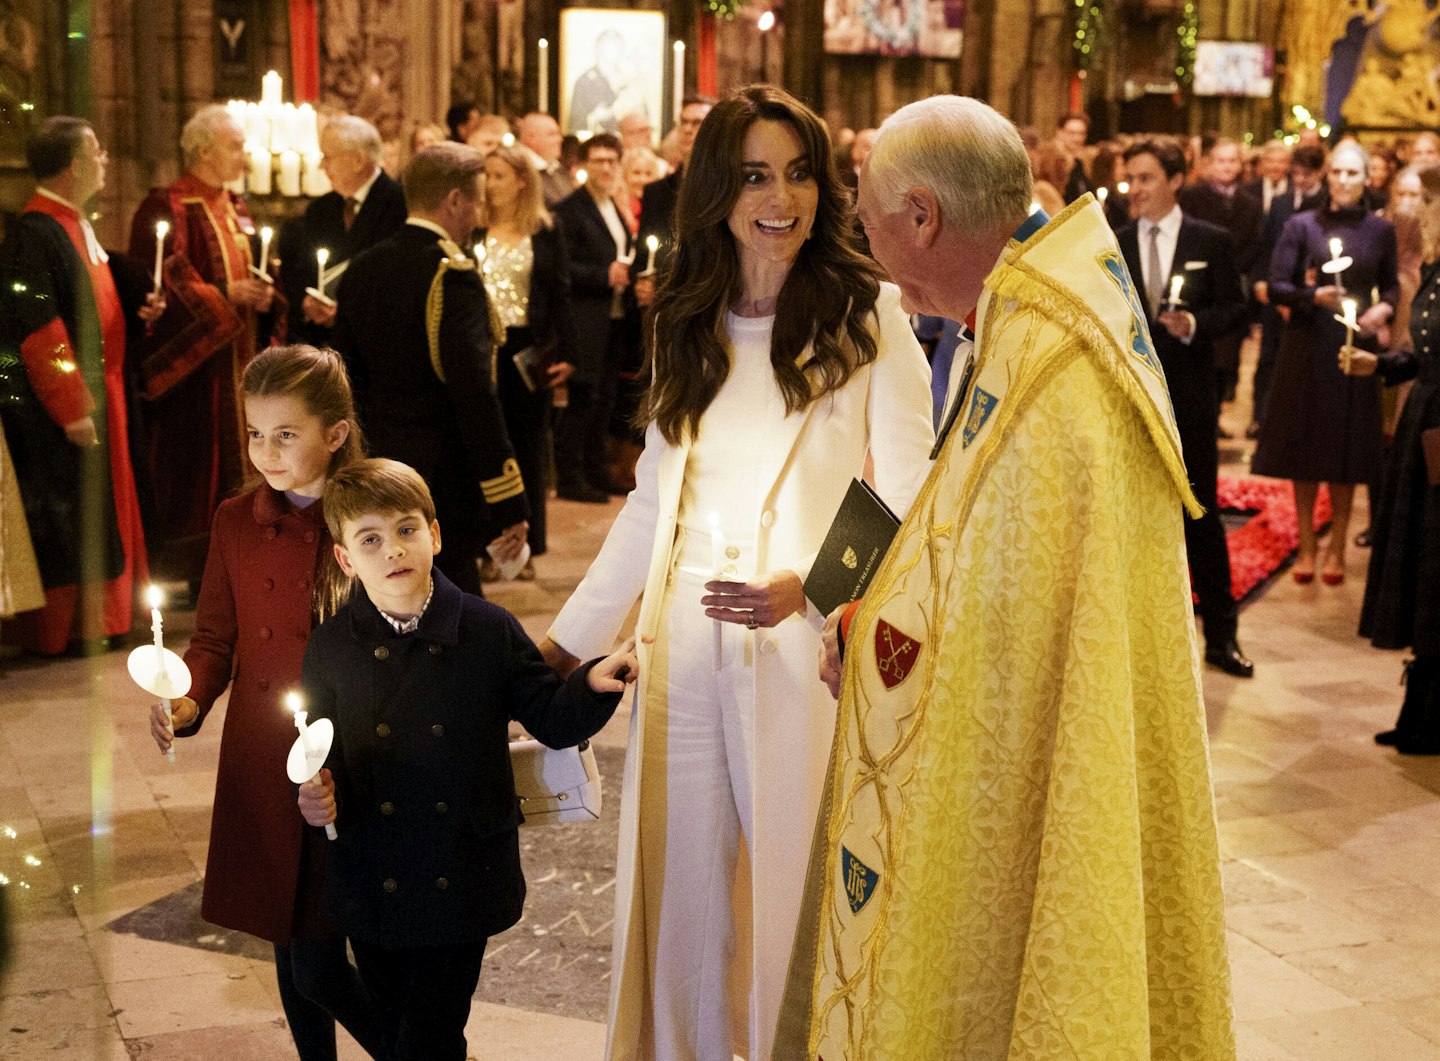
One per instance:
[(751, 623)]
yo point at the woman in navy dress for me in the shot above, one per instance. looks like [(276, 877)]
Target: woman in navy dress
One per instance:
[(1319, 424)]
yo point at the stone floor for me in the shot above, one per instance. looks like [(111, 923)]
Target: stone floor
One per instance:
[(1331, 848)]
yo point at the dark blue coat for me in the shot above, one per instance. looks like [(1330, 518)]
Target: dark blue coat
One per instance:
[(428, 851)]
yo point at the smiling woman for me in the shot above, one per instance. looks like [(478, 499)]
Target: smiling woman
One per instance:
[(780, 361)]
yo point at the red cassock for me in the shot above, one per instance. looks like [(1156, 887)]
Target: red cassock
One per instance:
[(253, 620), (65, 397), (191, 363)]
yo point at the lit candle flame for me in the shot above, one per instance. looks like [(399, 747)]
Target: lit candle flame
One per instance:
[(1123, 187), (322, 256), (154, 596), (653, 243), (162, 229), (294, 702), (1336, 248), (1348, 307)]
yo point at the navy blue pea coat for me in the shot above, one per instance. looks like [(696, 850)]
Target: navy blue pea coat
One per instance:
[(428, 850)]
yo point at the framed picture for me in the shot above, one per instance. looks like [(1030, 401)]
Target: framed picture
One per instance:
[(612, 63), (932, 28)]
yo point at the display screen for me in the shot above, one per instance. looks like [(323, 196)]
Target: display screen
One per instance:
[(1233, 68)]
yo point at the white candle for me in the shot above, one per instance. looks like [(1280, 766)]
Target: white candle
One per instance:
[(258, 172), (314, 183), (543, 71), (289, 173), (162, 229), (270, 88), (294, 702), (153, 597), (1176, 283), (1347, 308), (717, 565), (652, 244), (266, 235), (679, 89), (309, 124), (321, 257)]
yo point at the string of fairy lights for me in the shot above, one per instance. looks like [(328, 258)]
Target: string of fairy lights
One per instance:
[(1090, 28)]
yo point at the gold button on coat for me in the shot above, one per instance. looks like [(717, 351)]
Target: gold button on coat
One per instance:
[(389, 884), (434, 650), (442, 883), (382, 730), (733, 552), (382, 653), (387, 807), (438, 730), (441, 808)]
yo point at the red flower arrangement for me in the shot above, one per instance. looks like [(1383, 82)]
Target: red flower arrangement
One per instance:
[(1266, 542)]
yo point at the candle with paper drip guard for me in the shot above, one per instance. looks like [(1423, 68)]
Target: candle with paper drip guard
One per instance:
[(311, 748), (1338, 263), (1352, 325), (322, 255), (156, 669), (162, 229), (652, 244)]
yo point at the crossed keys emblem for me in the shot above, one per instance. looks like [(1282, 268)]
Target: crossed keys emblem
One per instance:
[(895, 654)]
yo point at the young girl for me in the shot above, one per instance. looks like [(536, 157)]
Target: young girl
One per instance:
[(269, 578)]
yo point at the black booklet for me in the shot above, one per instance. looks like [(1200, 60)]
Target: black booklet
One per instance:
[(854, 546)]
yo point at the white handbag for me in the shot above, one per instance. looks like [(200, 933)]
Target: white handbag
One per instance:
[(555, 784)]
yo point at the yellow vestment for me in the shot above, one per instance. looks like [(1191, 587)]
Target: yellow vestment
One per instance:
[(1017, 857)]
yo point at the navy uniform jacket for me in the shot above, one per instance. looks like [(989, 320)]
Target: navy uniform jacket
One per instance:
[(449, 430), (428, 850)]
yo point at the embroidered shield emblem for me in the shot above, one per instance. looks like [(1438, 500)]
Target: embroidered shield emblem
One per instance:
[(895, 654), (982, 404), (849, 559), (1140, 344), (860, 880)]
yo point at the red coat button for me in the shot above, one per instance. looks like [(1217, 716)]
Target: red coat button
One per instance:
[(265, 633), (269, 583), (309, 536), (271, 532), (264, 684)]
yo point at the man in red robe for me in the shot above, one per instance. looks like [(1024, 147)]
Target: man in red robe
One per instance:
[(62, 362), (193, 358)]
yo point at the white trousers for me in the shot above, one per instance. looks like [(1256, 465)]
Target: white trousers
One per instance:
[(697, 771)]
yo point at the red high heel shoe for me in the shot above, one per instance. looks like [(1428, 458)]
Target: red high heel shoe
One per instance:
[(1302, 575), (1333, 576)]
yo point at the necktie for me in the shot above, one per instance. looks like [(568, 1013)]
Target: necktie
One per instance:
[(351, 209), (1154, 279)]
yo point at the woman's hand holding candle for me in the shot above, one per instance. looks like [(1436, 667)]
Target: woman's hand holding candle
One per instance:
[(763, 601)]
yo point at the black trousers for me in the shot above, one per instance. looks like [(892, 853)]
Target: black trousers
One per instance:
[(1205, 537), (527, 422), (319, 986), (582, 426), (425, 995), (1271, 325)]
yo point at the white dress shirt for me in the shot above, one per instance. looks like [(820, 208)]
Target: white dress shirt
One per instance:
[(1169, 227)]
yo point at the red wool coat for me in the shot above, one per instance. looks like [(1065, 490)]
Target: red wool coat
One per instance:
[(265, 870)]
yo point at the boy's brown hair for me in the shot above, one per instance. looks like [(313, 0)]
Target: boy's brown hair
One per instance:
[(375, 485)]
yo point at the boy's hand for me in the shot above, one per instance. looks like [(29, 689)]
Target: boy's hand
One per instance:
[(182, 709), (615, 671), (317, 799)]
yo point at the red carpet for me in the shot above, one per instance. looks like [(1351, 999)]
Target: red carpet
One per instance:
[(1259, 516)]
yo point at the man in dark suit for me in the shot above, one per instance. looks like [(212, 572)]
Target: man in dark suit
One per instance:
[(414, 329), (603, 305), (1161, 244), (1273, 172), (1072, 134), (657, 205), (1219, 200), (364, 207), (1302, 192)]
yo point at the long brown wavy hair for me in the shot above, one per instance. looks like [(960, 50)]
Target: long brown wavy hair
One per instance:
[(827, 296), (318, 378)]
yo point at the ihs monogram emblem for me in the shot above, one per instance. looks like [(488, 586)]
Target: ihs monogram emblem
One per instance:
[(860, 880)]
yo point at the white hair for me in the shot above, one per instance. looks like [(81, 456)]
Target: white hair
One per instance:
[(965, 152), (353, 133), (1353, 146), (200, 131)]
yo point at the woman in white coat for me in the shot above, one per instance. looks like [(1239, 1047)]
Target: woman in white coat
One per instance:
[(780, 362)]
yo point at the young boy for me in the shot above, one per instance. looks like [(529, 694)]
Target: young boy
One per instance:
[(421, 681)]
